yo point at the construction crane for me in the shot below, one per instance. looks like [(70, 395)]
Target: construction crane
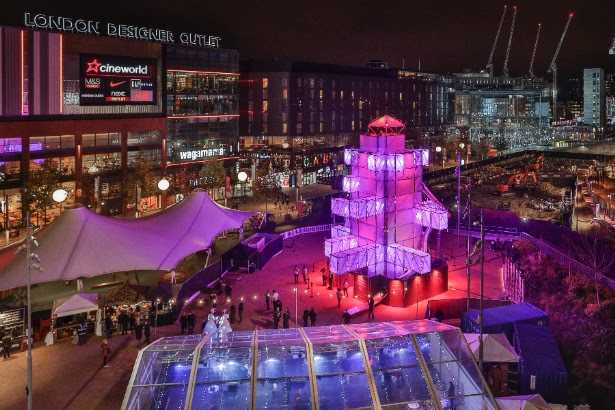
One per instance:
[(531, 70), (510, 37), (553, 65), (495, 42)]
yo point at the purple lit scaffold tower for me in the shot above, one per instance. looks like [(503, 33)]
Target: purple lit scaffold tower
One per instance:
[(388, 215)]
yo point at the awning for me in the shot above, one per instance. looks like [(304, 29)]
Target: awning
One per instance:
[(81, 243), (73, 305), (496, 348)]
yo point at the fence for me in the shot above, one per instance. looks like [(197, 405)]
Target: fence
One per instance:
[(305, 229)]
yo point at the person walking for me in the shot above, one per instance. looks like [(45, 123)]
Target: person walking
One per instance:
[(323, 272), (370, 305), (147, 331), (106, 351), (240, 310), (275, 296), (232, 314), (306, 317), (345, 285), (123, 322), (108, 325), (276, 319), (286, 319), (131, 321), (312, 317), (183, 322), (267, 299), (296, 274), (190, 321), (330, 280), (346, 317), (338, 293), (138, 328), (305, 274)]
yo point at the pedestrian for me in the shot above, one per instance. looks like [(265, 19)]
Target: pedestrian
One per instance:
[(147, 331), (131, 320), (306, 317), (338, 293), (286, 319), (323, 272), (370, 305), (312, 317), (267, 299), (311, 288), (346, 317), (305, 274), (106, 351), (108, 325), (190, 321), (276, 319), (124, 322), (296, 274), (183, 322), (5, 338), (240, 310), (330, 280), (138, 329), (232, 311), (345, 285), (275, 296)]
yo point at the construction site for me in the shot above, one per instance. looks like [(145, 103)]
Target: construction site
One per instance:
[(506, 112)]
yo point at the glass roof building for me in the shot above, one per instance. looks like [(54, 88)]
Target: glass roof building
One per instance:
[(389, 365)]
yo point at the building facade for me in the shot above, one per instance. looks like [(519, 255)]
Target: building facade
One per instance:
[(301, 115), (594, 103), (92, 109)]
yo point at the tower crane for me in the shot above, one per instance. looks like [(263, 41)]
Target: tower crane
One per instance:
[(510, 37), (531, 70), (495, 42), (553, 65)]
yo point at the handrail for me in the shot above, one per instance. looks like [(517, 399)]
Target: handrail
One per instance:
[(305, 230)]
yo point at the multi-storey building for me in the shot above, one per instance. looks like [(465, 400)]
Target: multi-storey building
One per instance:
[(302, 114), (594, 104), (93, 99)]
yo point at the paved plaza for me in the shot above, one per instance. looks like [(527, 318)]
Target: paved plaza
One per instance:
[(70, 377)]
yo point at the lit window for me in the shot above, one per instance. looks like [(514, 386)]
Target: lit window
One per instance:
[(265, 82), (265, 106)]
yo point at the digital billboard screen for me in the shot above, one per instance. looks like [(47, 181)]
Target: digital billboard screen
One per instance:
[(114, 80)]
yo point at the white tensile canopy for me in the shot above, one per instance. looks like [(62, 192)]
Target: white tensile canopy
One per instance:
[(496, 348), (528, 402), (81, 243), (75, 304)]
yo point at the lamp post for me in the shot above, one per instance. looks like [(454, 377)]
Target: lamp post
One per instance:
[(439, 150), (163, 185), (296, 291), (242, 177), (94, 171)]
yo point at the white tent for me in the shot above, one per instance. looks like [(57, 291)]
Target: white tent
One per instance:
[(529, 402), (496, 348), (73, 305), (81, 243)]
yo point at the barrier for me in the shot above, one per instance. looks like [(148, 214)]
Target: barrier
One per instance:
[(305, 230)]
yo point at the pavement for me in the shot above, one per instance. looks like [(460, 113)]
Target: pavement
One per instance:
[(71, 377)]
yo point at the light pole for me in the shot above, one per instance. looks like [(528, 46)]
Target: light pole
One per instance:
[(163, 185), (439, 150), (242, 176), (94, 171), (296, 291)]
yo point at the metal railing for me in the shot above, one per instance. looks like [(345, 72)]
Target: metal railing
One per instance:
[(305, 230)]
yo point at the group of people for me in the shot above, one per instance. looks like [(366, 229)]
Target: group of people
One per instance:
[(272, 299), (135, 321)]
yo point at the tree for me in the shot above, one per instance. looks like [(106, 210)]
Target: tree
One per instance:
[(142, 181), (212, 175), (263, 186), (595, 249), (40, 187)]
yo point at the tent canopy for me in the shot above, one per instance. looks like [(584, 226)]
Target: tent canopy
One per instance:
[(508, 314), (81, 243), (529, 402), (73, 305), (496, 348)]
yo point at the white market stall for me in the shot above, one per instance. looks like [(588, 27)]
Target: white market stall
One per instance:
[(76, 304)]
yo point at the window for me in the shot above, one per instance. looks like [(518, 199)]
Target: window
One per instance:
[(143, 138), (10, 145), (101, 140), (152, 155), (50, 143), (66, 165), (104, 162)]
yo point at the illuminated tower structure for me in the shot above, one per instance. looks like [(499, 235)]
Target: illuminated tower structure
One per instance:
[(388, 212)]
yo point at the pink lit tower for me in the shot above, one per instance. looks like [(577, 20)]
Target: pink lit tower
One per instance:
[(388, 214)]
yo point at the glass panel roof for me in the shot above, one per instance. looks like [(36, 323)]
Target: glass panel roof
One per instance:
[(389, 365)]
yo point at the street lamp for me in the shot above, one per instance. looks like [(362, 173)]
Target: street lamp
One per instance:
[(163, 184), (94, 170), (242, 177), (59, 195)]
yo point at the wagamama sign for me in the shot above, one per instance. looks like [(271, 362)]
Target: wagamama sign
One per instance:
[(43, 21)]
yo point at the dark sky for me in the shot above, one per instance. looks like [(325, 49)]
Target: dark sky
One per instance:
[(446, 35)]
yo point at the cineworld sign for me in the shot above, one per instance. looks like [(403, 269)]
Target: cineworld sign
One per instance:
[(40, 21)]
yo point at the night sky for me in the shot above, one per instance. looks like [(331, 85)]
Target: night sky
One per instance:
[(447, 35)]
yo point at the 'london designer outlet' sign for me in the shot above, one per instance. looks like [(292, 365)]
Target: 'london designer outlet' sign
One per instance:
[(43, 21)]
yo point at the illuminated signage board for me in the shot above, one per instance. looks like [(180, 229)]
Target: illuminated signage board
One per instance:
[(113, 80), (41, 21), (193, 155)]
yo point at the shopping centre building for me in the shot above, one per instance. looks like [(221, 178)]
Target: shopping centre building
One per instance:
[(93, 99)]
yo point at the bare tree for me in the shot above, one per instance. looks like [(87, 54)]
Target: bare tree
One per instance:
[(596, 250)]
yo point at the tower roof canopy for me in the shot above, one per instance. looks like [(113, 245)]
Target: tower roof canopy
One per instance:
[(386, 125)]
